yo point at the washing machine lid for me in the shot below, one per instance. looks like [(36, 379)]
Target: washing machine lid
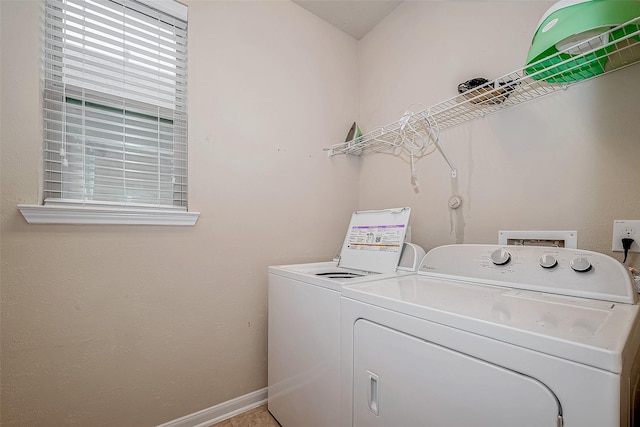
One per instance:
[(374, 240)]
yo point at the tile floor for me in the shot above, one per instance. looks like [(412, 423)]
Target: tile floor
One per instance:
[(258, 417)]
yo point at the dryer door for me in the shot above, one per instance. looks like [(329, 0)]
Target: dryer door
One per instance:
[(401, 381)]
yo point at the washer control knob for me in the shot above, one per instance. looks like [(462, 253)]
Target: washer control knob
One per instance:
[(500, 257), (580, 264), (548, 261)]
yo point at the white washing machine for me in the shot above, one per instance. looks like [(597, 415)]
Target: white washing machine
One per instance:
[(304, 316), (493, 336)]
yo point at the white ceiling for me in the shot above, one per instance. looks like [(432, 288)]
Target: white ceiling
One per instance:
[(355, 17)]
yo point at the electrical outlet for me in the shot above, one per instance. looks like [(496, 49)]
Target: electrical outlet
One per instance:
[(625, 229)]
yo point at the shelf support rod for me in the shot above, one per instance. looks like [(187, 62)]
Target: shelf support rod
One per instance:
[(454, 171), (435, 136)]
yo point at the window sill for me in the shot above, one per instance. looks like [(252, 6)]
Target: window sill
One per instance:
[(84, 215)]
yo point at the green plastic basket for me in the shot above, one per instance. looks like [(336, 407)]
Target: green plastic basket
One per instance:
[(546, 62)]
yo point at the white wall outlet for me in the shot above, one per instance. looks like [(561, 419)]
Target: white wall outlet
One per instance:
[(622, 229)]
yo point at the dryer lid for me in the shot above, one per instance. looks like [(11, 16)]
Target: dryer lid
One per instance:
[(374, 240)]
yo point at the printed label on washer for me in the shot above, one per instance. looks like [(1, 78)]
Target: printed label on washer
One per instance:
[(376, 237)]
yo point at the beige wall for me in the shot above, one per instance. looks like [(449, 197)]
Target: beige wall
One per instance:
[(568, 161), (135, 326)]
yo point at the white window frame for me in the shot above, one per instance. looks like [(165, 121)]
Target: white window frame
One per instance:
[(81, 210)]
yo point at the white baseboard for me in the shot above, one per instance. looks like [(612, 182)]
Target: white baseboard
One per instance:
[(222, 411)]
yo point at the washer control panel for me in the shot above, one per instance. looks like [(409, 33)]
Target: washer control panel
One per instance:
[(561, 271)]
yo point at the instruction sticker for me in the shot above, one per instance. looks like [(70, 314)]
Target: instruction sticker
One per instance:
[(387, 238)]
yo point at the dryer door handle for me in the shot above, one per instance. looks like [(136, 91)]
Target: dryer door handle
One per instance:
[(372, 393)]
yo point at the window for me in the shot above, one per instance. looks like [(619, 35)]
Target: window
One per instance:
[(115, 105)]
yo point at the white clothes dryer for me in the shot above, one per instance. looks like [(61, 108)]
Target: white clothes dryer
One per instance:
[(304, 316), (494, 336)]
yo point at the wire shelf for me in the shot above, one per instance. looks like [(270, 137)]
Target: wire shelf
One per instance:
[(599, 55)]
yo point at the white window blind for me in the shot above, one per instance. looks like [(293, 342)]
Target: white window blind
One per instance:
[(115, 102)]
